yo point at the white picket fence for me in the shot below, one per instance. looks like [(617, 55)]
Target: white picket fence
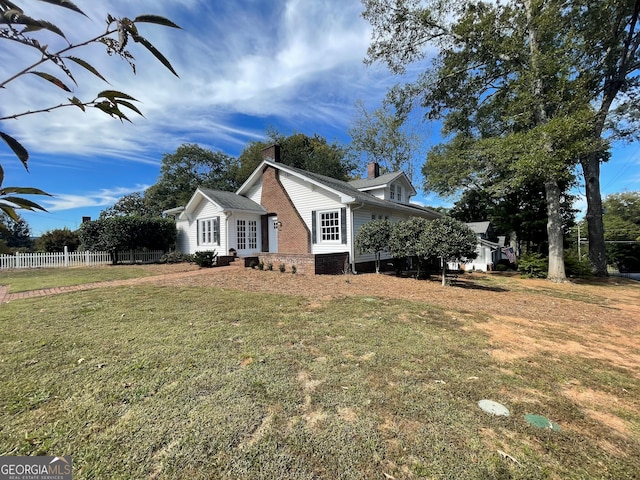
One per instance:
[(75, 259)]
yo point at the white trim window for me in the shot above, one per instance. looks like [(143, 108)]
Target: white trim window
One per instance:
[(392, 192), (209, 231), (329, 226), (247, 234)]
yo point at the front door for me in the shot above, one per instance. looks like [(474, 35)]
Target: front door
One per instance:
[(273, 234)]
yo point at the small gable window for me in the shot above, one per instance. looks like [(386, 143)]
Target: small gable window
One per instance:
[(392, 192)]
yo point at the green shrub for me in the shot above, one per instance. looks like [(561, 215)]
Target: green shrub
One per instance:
[(269, 266), (282, 268), (533, 265), (252, 264), (261, 266), (176, 257), (501, 267), (206, 258), (574, 267), (294, 269)]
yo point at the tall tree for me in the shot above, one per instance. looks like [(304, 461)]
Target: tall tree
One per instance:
[(608, 73), (16, 234), (17, 27), (56, 240), (188, 168), (314, 154), (502, 86), (382, 136), (134, 205)]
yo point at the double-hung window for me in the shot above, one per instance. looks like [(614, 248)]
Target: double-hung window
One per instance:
[(329, 226), (209, 231)]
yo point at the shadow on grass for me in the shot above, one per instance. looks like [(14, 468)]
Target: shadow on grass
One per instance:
[(470, 285), (465, 283)]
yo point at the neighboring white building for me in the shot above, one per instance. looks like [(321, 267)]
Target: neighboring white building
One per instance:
[(489, 253), (291, 215)]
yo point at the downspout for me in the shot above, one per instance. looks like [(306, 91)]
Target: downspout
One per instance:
[(227, 214), (352, 248)]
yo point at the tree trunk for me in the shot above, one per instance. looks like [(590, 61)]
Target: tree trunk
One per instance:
[(444, 272), (377, 261), (595, 230), (555, 235)]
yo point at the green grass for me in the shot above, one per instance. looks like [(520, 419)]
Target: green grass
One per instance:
[(22, 280), (159, 382)]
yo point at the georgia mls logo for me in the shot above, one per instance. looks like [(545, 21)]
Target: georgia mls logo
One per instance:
[(35, 468)]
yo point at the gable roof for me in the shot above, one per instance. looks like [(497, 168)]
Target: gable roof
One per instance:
[(224, 200), (345, 190), (231, 201), (382, 181), (479, 227)]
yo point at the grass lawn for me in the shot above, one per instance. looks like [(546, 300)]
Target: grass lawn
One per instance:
[(22, 280), (177, 382)]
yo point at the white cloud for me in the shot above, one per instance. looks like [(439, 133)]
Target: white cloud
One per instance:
[(292, 59), (102, 198)]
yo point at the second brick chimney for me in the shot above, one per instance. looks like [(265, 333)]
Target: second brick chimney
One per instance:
[(373, 170)]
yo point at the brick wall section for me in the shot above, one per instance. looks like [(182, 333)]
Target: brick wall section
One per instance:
[(294, 236)]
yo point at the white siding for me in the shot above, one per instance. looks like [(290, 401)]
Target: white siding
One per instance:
[(188, 229), (308, 198), (255, 192)]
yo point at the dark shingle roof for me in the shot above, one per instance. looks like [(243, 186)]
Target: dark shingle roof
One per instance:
[(375, 182), (347, 188), (231, 201)]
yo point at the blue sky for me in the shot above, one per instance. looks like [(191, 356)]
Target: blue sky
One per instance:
[(295, 65)]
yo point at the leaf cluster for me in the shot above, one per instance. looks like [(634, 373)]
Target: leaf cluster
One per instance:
[(17, 26), (117, 234), (56, 240)]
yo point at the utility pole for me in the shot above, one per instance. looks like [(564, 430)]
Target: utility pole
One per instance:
[(579, 257)]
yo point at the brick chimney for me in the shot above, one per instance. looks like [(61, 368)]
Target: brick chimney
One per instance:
[(271, 153), (373, 170)]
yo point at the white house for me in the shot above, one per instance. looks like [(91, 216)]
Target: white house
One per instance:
[(282, 214)]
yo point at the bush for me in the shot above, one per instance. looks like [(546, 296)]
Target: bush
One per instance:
[(176, 257), (206, 259), (507, 265), (574, 267), (282, 268), (533, 265), (252, 264), (269, 266), (294, 269)]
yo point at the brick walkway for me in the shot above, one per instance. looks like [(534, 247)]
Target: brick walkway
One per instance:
[(7, 297)]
